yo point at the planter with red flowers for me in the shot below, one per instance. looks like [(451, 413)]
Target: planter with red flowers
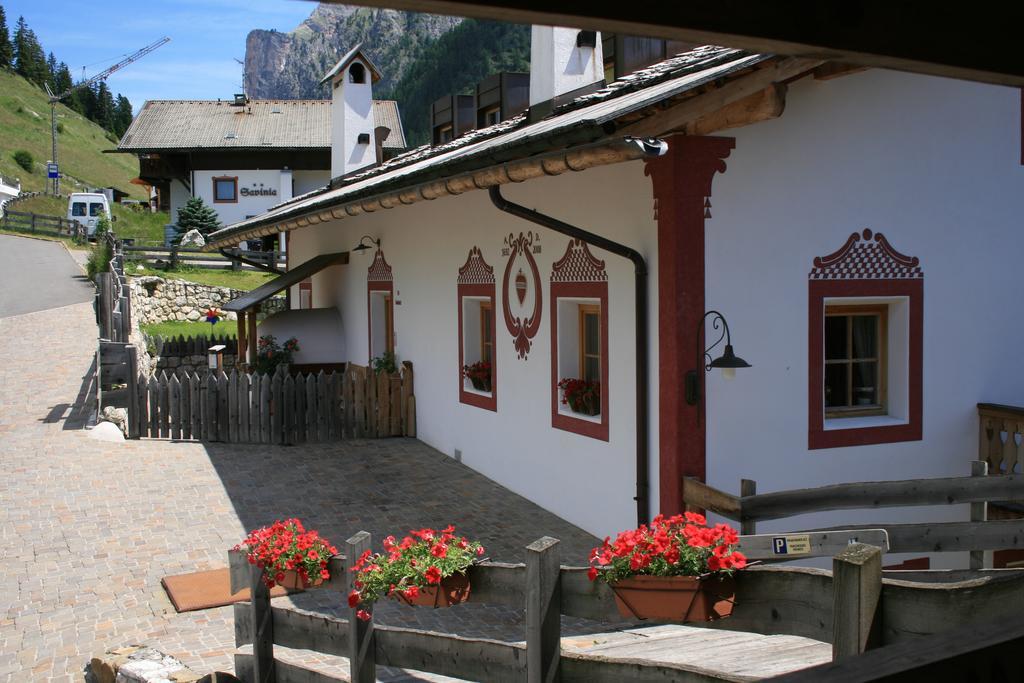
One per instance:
[(289, 555), (479, 375), (678, 568), (582, 396), (427, 567)]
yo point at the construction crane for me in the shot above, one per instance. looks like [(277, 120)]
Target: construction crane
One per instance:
[(101, 76)]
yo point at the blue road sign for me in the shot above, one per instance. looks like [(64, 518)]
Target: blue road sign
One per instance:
[(52, 171)]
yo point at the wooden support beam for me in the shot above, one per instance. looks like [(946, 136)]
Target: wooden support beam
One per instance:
[(251, 336), (708, 103), (262, 632), (761, 106), (856, 597), (699, 495), (362, 668), (748, 487), (243, 345), (830, 70), (543, 610)]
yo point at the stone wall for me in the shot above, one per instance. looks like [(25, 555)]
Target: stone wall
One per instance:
[(156, 300), (196, 364)]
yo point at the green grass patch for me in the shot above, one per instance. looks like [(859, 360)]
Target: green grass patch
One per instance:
[(244, 280), (25, 125), (224, 328)]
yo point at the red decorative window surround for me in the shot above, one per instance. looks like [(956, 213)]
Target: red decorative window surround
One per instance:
[(866, 266), (578, 275), (476, 279), (379, 278)]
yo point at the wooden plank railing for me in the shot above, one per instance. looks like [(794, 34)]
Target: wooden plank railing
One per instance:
[(173, 256), (976, 536), (43, 225), (274, 409), (1001, 438), (116, 360), (181, 345), (845, 607)]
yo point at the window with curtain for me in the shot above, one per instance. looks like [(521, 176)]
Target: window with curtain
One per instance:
[(855, 345)]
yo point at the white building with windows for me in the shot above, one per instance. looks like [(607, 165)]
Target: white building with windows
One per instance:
[(242, 157), (864, 258)]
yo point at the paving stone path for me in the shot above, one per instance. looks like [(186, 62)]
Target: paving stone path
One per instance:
[(88, 528)]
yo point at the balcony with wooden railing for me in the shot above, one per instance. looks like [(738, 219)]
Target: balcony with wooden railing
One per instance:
[(1001, 438)]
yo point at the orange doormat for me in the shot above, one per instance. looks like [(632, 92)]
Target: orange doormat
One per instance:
[(203, 590)]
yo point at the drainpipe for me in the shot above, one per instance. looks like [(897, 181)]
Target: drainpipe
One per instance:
[(650, 148)]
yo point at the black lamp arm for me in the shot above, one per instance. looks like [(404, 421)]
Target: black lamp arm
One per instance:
[(694, 379)]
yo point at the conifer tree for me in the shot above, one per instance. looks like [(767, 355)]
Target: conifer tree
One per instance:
[(196, 215), (6, 49)]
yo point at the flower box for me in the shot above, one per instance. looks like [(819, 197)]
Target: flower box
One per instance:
[(288, 555), (453, 590), (675, 598), (479, 375), (582, 396), (480, 384)]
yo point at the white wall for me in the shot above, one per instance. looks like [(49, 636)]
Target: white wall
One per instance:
[(179, 197), (557, 66), (932, 164), (589, 482), (307, 181), (232, 212)]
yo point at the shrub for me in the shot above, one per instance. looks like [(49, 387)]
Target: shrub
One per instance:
[(99, 259), (270, 354), (60, 127), (385, 362), (102, 227), (24, 159)]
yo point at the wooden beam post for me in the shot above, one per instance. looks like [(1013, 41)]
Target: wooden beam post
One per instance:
[(856, 594), (262, 628), (979, 513), (543, 610), (748, 487), (360, 633), (251, 336), (242, 345)]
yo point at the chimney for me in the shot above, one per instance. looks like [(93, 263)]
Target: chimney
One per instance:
[(352, 122), (563, 60)]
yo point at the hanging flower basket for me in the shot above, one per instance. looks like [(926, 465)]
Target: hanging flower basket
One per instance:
[(428, 567), (677, 569), (289, 555), (453, 590), (675, 598)]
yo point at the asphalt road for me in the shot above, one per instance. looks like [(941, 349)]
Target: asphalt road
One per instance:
[(36, 275)]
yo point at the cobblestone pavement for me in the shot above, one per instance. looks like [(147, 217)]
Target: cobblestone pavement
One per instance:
[(88, 528)]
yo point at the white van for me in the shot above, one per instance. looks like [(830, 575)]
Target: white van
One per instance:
[(86, 208)]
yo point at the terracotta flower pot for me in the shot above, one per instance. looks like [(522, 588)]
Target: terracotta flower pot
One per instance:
[(675, 598), (292, 581), (453, 590)]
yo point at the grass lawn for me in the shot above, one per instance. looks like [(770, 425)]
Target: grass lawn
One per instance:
[(244, 280), (225, 328)]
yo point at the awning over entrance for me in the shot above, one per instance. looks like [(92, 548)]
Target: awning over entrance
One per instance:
[(292, 277), (247, 305)]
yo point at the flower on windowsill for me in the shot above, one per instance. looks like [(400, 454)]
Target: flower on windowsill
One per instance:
[(681, 545), (287, 546), (580, 395), (422, 559), (479, 374)]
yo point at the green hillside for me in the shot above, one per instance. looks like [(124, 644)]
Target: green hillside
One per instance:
[(25, 125)]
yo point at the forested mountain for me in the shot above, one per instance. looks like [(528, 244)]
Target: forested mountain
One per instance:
[(421, 56), (24, 55)]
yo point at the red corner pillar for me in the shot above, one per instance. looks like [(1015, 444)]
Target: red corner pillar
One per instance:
[(682, 184)]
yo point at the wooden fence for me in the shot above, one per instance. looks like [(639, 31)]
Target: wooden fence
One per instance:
[(273, 409), (172, 257), (977, 536), (38, 224), (851, 607), (181, 345), (116, 363)]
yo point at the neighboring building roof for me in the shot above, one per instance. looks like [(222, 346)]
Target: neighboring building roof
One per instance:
[(346, 59), (165, 125), (581, 121)]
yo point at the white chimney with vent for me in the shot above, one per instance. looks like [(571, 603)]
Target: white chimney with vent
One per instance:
[(563, 60), (352, 136)]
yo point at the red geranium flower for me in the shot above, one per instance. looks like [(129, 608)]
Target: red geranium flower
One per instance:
[(433, 575)]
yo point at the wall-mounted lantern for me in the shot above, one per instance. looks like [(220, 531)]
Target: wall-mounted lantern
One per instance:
[(215, 357), (362, 247), (727, 362)]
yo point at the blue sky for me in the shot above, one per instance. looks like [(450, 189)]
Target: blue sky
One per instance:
[(199, 62)]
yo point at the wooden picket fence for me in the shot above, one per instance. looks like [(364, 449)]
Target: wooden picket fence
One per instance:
[(274, 409), (181, 345)]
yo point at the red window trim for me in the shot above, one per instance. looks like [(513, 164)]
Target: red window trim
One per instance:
[(225, 201), (819, 290), (469, 397), (580, 290)]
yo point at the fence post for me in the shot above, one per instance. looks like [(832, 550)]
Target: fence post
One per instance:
[(133, 392), (856, 594), (106, 304), (262, 628), (543, 610), (979, 513), (33, 222), (748, 487), (363, 669)]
